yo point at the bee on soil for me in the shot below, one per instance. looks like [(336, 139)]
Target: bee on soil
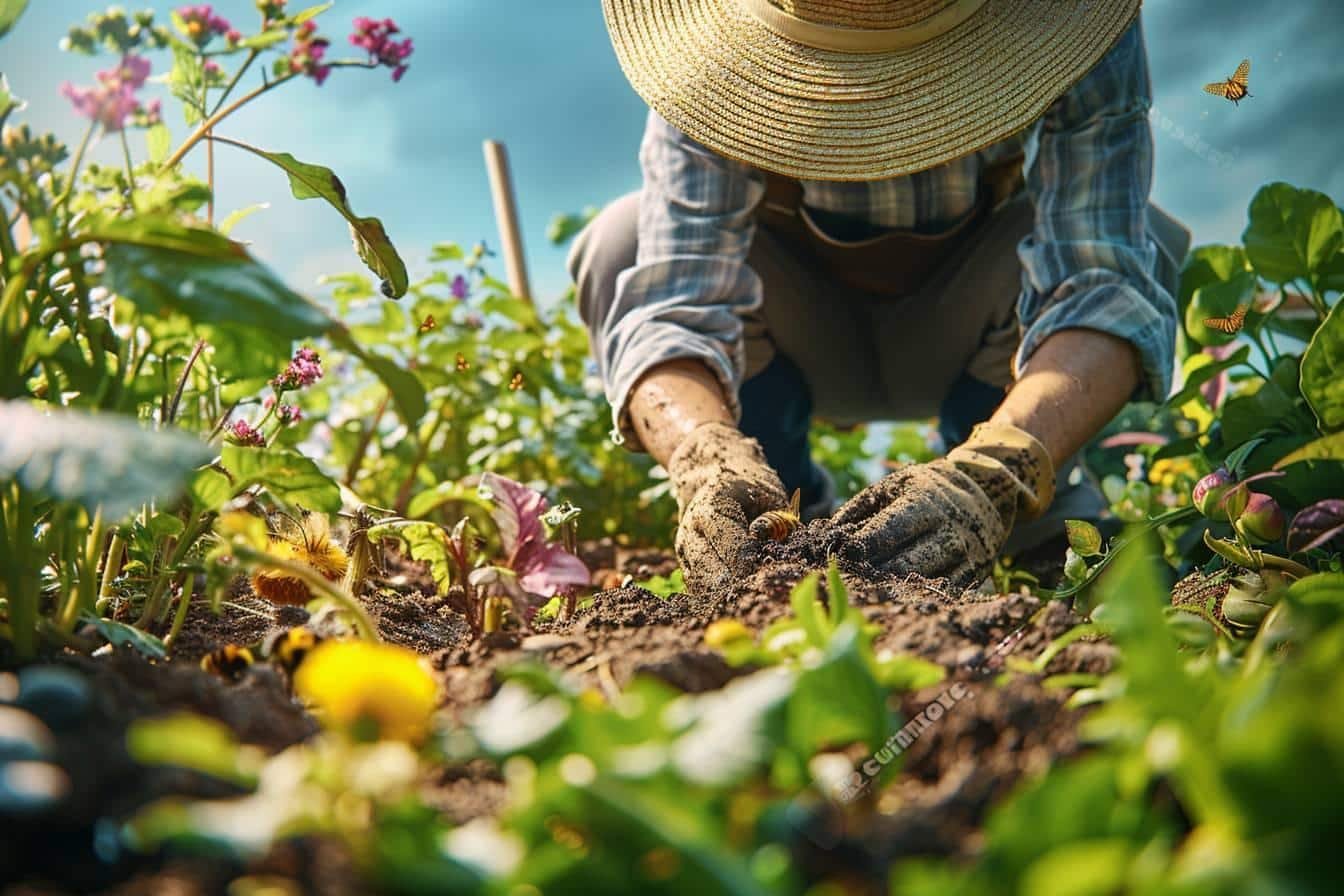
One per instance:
[(229, 662), (291, 646), (777, 525)]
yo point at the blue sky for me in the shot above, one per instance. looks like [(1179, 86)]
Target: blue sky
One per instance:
[(540, 75)]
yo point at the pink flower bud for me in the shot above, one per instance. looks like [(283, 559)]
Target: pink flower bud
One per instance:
[(1262, 519), (1211, 490)]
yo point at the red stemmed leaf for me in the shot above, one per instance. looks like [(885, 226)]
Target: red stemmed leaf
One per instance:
[(542, 568), (1316, 525)]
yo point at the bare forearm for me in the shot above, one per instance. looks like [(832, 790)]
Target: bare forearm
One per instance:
[(672, 399), (1074, 384)]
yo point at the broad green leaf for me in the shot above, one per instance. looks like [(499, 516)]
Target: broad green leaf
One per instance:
[(10, 10), (371, 243), (286, 475), (1083, 868), (1209, 264), (1329, 447), (94, 459), (311, 12), (1084, 538), (1214, 300), (805, 607), (265, 39), (426, 541), (119, 634), (1292, 233), (838, 702), (1200, 369), (446, 252), (1323, 371)]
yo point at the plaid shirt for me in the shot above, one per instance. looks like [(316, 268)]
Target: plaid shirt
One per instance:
[(1088, 262)]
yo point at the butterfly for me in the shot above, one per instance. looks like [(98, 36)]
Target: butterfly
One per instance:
[(1230, 324), (463, 364), (517, 382), (1234, 88), (428, 324)]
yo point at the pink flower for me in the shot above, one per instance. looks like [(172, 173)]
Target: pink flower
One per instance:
[(542, 569), (376, 38), (201, 23), (304, 369), (308, 52), (245, 434), (113, 100), (285, 413), (459, 287)]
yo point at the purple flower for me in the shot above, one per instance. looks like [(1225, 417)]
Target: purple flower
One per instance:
[(201, 23), (304, 369), (113, 99), (375, 37), (286, 413), (308, 52), (459, 287), (245, 434)]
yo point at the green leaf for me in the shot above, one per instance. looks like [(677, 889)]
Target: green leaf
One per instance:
[(162, 267), (1292, 233), (1209, 264), (1217, 300), (94, 459), (838, 701), (286, 475), (119, 634), (1329, 447), (265, 39), (426, 541), (233, 218), (1084, 538), (158, 143), (371, 243), (209, 489), (189, 741), (804, 601), (311, 12), (446, 252), (1200, 369), (1323, 371), (10, 10)]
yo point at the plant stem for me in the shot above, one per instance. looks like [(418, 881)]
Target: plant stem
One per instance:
[(130, 166), (314, 580), (74, 170), (186, 587), (238, 76), (182, 380), (111, 566), (365, 439), (210, 178), (204, 129)]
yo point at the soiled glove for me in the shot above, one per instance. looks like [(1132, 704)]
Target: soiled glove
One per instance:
[(722, 482), (950, 517)]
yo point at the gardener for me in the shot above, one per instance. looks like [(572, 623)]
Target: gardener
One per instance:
[(837, 218)]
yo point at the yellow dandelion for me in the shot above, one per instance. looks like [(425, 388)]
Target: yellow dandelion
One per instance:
[(372, 691), (312, 546)]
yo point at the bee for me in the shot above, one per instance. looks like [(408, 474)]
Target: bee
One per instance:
[(463, 365), (777, 525), (1230, 324), (1235, 87), (428, 323), (229, 662), (291, 646), (517, 382)]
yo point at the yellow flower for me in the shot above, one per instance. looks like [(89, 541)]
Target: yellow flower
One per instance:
[(373, 691), (1170, 470), (311, 546)]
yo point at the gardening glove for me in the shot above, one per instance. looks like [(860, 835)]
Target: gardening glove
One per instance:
[(722, 483), (950, 517)]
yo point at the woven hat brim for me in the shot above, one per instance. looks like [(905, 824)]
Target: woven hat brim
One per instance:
[(714, 71)]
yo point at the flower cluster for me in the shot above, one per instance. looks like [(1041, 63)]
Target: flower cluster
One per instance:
[(375, 37), (201, 23), (304, 369), (286, 413), (113, 100), (306, 56), (245, 434)]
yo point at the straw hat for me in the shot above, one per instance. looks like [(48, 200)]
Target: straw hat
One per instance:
[(857, 89)]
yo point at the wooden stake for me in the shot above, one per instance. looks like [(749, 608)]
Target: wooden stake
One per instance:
[(506, 216)]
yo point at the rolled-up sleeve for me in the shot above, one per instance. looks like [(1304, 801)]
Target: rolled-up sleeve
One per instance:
[(690, 285), (1089, 262)]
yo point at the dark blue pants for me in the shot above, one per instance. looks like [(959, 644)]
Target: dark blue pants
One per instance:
[(777, 412)]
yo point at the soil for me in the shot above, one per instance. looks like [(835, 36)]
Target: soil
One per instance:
[(1007, 728)]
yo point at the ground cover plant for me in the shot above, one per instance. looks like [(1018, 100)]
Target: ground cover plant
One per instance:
[(414, 628)]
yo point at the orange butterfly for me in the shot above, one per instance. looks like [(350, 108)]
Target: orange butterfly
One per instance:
[(428, 323), (517, 382), (463, 364), (1230, 324), (1235, 87)]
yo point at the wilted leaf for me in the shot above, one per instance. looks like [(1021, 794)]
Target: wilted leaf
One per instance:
[(317, 182), (94, 459)]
